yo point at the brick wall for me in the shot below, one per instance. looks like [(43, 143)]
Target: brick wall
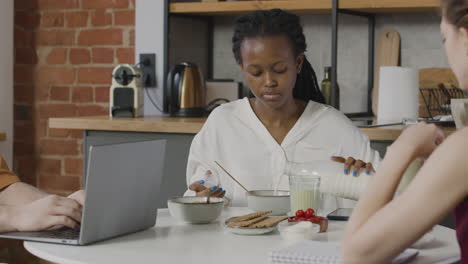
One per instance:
[(65, 51)]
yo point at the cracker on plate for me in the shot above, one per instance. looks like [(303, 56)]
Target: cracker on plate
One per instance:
[(268, 222), (248, 217), (247, 223)]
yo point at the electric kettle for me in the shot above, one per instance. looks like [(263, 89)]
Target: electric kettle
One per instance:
[(185, 91)]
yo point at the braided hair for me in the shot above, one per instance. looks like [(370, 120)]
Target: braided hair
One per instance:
[(276, 22)]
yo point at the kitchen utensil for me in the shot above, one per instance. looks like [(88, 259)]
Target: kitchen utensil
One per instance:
[(429, 80), (264, 200), (445, 92), (232, 177), (404, 122), (269, 200), (293, 232), (223, 89), (431, 77), (195, 210), (387, 54), (185, 91)]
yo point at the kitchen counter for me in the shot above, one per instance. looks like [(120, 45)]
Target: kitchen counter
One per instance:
[(164, 124), (160, 124), (2, 136)]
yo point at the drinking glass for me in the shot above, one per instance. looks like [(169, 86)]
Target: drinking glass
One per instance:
[(304, 186)]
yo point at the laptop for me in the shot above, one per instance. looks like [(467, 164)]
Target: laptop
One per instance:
[(122, 187)]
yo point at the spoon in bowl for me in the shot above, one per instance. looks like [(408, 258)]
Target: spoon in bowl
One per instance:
[(231, 176)]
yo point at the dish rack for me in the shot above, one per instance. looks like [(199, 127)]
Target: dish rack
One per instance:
[(437, 100)]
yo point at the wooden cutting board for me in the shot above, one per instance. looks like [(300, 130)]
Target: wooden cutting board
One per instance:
[(430, 78), (387, 54)]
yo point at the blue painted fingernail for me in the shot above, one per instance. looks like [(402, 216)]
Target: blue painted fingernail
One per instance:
[(354, 173), (201, 182), (214, 188), (220, 189), (346, 171), (368, 171)]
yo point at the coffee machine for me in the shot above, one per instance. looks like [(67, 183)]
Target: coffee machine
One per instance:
[(126, 92)]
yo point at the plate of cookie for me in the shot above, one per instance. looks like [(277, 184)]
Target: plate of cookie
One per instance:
[(253, 224)]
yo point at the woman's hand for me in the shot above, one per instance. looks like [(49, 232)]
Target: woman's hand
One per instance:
[(212, 191), (420, 139), (46, 213), (355, 165)]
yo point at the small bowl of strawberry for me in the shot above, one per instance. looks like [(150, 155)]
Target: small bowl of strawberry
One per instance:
[(309, 216)]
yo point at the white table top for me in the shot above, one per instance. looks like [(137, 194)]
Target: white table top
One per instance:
[(171, 241)]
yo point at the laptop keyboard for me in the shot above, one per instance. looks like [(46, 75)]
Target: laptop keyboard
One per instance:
[(62, 233)]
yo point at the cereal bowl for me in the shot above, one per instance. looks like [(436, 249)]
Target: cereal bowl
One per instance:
[(269, 200), (195, 210)]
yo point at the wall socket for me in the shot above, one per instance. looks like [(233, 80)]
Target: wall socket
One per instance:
[(148, 69)]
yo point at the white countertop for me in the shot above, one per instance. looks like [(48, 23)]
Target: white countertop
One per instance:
[(171, 241)]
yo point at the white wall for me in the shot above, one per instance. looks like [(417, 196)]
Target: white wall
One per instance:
[(149, 32), (6, 78)]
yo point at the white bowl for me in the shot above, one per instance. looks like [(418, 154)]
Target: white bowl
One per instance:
[(266, 200), (297, 231), (191, 210)]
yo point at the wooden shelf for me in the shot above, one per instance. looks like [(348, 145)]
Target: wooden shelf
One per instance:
[(304, 6), (2, 136)]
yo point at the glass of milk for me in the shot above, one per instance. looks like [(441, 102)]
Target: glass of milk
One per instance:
[(322, 185), (304, 186)]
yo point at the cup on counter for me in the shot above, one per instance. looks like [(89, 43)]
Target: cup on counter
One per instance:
[(304, 186), (324, 182)]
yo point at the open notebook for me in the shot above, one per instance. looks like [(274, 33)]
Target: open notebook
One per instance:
[(315, 252)]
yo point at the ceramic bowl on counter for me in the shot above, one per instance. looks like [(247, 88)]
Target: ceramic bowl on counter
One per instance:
[(265, 200), (195, 210)]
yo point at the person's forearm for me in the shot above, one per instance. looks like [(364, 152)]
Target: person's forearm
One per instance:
[(382, 189), (6, 218), (20, 193)]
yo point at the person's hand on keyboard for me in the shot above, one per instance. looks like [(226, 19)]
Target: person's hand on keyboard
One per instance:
[(78, 196), (48, 212)]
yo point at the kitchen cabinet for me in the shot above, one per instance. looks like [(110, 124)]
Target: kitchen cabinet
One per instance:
[(304, 6)]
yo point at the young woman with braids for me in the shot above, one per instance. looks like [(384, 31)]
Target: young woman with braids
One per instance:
[(286, 120), (380, 226)]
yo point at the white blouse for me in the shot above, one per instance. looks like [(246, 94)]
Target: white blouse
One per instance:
[(235, 137)]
